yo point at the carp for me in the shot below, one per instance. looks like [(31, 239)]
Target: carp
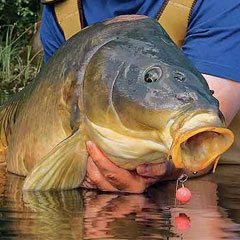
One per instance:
[(123, 84)]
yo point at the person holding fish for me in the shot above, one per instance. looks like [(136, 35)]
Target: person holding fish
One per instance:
[(208, 33)]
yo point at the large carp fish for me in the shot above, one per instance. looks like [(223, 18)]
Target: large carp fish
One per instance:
[(123, 84)]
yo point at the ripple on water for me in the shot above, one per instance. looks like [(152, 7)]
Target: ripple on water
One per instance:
[(212, 213)]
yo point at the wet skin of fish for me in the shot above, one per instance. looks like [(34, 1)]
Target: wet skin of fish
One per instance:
[(123, 84)]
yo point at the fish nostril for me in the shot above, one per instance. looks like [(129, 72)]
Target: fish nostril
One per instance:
[(179, 76), (187, 97), (183, 97)]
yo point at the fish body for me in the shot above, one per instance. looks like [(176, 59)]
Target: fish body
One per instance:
[(123, 84)]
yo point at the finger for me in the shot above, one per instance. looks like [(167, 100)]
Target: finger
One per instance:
[(87, 184), (100, 159), (117, 176), (120, 178), (150, 180), (152, 170), (96, 178)]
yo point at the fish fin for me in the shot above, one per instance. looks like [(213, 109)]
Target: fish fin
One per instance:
[(3, 137), (64, 167), (2, 156)]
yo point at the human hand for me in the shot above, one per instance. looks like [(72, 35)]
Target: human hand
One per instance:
[(163, 172), (104, 175), (160, 171)]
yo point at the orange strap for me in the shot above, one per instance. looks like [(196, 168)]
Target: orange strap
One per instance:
[(174, 18)]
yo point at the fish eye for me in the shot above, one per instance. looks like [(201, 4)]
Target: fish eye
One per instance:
[(179, 76), (153, 74)]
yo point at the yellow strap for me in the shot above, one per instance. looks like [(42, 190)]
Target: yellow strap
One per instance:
[(174, 19), (68, 17)]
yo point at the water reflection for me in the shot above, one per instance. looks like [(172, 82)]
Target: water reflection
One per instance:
[(213, 212), (228, 187)]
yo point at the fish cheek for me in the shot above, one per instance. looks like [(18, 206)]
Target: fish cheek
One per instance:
[(97, 89), (127, 96)]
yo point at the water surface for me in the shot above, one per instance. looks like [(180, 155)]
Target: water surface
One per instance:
[(213, 212)]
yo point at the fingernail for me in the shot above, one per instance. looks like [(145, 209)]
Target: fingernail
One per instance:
[(89, 145), (143, 169)]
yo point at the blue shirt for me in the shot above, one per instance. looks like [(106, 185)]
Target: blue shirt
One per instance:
[(213, 37)]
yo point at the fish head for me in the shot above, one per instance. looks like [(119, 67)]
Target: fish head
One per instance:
[(145, 102)]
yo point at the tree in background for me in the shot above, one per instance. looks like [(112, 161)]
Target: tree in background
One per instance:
[(21, 13)]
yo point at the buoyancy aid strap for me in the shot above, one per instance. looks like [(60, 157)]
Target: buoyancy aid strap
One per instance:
[(174, 18), (68, 17)]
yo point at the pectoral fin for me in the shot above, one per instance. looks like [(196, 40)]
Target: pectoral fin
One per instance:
[(62, 168)]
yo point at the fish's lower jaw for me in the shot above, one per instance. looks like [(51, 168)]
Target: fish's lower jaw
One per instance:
[(197, 149)]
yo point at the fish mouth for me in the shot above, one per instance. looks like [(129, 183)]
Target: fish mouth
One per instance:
[(196, 149)]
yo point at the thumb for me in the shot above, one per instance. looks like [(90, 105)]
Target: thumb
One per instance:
[(152, 170)]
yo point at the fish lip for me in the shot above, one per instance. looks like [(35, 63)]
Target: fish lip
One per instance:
[(185, 112), (176, 154)]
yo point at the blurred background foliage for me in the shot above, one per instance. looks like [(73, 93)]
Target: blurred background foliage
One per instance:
[(20, 53), (22, 13)]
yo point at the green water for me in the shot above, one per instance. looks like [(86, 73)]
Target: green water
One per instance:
[(213, 212)]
